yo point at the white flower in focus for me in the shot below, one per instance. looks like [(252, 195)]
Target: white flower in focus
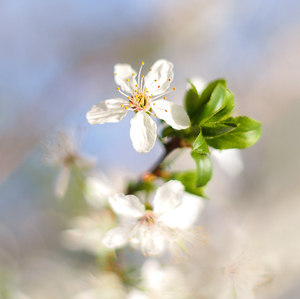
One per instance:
[(87, 233), (198, 82), (160, 282), (62, 149), (144, 96), (153, 230), (242, 275), (229, 160)]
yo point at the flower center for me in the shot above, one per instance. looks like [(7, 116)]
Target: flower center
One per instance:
[(141, 101), (149, 218)]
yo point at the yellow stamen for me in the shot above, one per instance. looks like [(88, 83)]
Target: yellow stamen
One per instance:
[(153, 104), (115, 74), (154, 114), (174, 88), (127, 80), (128, 98), (165, 110), (135, 91), (143, 63), (133, 74), (122, 106), (169, 79), (127, 108), (118, 88), (165, 98), (155, 80), (150, 70), (158, 86), (143, 76)]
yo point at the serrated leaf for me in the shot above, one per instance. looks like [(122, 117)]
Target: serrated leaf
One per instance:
[(190, 99), (200, 145), (203, 169), (225, 111), (188, 179), (215, 104), (211, 130), (244, 135)]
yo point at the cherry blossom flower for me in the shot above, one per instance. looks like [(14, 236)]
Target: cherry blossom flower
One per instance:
[(160, 282), (145, 96), (158, 229), (62, 149)]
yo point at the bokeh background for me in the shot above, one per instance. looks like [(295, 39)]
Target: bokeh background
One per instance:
[(56, 61)]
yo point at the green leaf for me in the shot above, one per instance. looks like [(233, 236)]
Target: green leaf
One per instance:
[(168, 131), (188, 179), (206, 94), (225, 111), (244, 135), (190, 99), (214, 105), (211, 130), (200, 145), (203, 169)]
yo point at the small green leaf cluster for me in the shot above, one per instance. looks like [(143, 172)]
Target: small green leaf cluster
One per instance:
[(212, 125)]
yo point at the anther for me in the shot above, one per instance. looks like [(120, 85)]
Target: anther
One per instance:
[(143, 63), (128, 98), (169, 79), (127, 80), (127, 108), (150, 70), (133, 74), (158, 86), (165, 98), (155, 80), (165, 110), (118, 88), (115, 74), (122, 106), (174, 88), (153, 104), (154, 114), (143, 76), (135, 91)]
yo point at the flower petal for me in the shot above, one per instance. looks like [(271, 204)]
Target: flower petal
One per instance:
[(129, 206), (118, 236), (162, 71), (109, 111), (172, 114), (124, 72), (168, 197), (185, 214), (143, 132), (62, 182)]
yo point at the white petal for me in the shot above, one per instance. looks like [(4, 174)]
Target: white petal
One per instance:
[(230, 161), (124, 72), (129, 205), (198, 82), (168, 197), (162, 71), (118, 237), (62, 182), (143, 132), (136, 294), (172, 114), (109, 111), (185, 214)]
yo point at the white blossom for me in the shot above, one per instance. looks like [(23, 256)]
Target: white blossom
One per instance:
[(242, 274), (86, 233), (160, 282), (62, 149), (145, 96), (158, 229)]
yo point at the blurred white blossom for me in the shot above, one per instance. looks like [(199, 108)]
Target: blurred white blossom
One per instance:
[(160, 282), (145, 96), (154, 230), (86, 233), (62, 149), (229, 160)]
